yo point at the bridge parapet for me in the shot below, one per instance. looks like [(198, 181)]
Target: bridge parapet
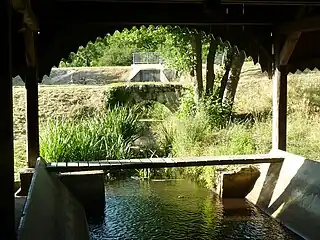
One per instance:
[(166, 94)]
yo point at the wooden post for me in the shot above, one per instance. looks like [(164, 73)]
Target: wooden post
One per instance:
[(31, 84), (279, 109), (279, 92), (7, 206)]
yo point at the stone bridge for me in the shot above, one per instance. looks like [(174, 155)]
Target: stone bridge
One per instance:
[(166, 93)]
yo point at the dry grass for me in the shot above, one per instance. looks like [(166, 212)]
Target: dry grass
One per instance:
[(253, 97), (54, 101)]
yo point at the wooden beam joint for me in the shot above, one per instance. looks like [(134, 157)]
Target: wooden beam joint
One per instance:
[(288, 48), (309, 24)]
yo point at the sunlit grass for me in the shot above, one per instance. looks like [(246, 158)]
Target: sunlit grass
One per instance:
[(107, 135), (190, 137)]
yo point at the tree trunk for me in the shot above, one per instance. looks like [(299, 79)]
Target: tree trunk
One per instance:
[(232, 84), (198, 52), (224, 80), (210, 66)]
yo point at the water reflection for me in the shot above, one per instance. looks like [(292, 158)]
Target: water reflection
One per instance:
[(178, 210)]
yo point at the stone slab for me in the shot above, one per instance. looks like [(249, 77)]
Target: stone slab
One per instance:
[(51, 212), (290, 192)]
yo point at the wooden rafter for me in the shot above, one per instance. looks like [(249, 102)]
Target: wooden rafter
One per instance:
[(303, 63), (260, 46), (304, 25), (273, 2), (288, 48), (291, 40), (134, 13)]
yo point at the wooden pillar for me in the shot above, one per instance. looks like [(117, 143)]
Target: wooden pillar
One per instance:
[(279, 93), (31, 84), (279, 109), (7, 212)]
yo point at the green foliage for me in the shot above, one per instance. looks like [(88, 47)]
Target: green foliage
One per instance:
[(86, 56), (155, 110), (187, 105), (177, 49), (108, 135), (210, 108), (217, 113), (117, 49), (173, 43)]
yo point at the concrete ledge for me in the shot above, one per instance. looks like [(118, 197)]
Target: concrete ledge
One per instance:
[(19, 202), (290, 192), (88, 188), (50, 211), (25, 180)]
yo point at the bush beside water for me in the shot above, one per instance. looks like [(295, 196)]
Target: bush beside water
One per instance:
[(106, 135)]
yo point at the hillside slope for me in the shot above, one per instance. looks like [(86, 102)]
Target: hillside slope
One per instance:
[(253, 100)]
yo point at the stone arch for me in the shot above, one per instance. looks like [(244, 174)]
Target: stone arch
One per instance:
[(166, 94)]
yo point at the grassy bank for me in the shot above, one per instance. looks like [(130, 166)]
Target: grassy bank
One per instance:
[(249, 132)]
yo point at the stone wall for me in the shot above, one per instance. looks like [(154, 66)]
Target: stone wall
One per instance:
[(290, 192), (167, 94)]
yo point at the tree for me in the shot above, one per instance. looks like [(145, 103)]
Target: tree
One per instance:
[(210, 77), (232, 83), (229, 51), (182, 49), (177, 49), (197, 46)]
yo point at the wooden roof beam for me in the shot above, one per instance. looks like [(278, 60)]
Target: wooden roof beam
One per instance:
[(248, 2), (274, 2), (123, 14), (288, 48), (303, 25), (304, 63)]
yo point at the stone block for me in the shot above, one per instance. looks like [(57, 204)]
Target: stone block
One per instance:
[(236, 183), (25, 180), (88, 188), (240, 183)]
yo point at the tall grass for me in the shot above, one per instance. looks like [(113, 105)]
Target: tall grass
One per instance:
[(107, 135), (207, 129)]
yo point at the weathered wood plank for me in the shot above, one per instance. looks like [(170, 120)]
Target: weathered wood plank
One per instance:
[(61, 164), (156, 160), (32, 116), (83, 164), (136, 160), (114, 162), (145, 160), (73, 164), (166, 162), (94, 164)]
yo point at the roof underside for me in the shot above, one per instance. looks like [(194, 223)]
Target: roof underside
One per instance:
[(67, 24)]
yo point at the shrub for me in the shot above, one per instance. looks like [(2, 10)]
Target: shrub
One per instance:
[(107, 135)]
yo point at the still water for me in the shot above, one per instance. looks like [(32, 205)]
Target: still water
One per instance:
[(178, 209)]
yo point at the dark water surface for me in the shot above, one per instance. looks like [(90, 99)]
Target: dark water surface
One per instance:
[(179, 209)]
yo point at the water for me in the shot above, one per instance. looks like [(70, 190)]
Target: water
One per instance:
[(178, 209)]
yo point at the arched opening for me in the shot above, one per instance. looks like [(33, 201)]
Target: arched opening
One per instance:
[(174, 44), (268, 36)]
